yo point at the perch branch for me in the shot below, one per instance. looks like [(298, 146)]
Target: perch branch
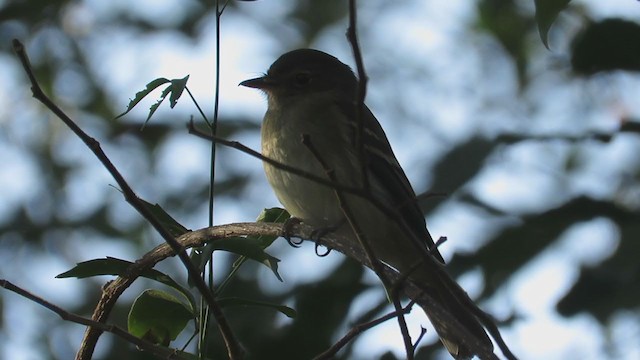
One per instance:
[(351, 249)]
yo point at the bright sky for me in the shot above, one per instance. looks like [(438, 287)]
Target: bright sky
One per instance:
[(128, 62)]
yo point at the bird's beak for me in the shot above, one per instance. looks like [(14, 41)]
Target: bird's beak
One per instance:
[(263, 83)]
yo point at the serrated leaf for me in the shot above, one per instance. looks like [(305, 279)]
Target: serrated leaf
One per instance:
[(285, 310), (251, 248), (143, 93), (156, 105), (119, 267), (177, 88), (158, 317), (546, 13)]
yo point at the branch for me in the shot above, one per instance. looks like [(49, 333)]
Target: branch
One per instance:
[(627, 126), (156, 350), (234, 350), (434, 266), (392, 213), (359, 329), (363, 241), (361, 92), (351, 249)]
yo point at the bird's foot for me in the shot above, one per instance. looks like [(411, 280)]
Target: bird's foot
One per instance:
[(287, 230), (318, 233)]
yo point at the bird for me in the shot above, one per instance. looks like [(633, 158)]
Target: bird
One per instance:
[(311, 124)]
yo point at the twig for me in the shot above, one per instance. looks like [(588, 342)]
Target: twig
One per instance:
[(233, 347), (278, 165), (360, 96), (157, 351), (359, 329), (434, 266), (423, 331), (362, 240), (205, 314), (384, 208), (626, 126), (404, 330), (361, 93)]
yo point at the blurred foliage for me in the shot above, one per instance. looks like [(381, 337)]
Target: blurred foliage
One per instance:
[(42, 224), (510, 25), (607, 45), (546, 13)]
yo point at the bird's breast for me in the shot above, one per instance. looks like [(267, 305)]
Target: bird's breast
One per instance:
[(282, 134)]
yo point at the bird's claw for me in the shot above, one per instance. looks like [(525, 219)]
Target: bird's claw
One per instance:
[(287, 231), (317, 234)]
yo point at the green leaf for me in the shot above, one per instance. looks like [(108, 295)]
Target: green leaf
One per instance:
[(154, 107), (143, 93), (177, 87), (272, 215), (252, 248), (158, 317), (119, 267), (233, 301), (170, 224), (200, 256), (546, 13)]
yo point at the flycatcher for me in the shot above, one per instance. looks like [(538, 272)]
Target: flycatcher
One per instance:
[(312, 94)]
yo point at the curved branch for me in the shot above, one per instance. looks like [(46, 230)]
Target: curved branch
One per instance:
[(115, 288)]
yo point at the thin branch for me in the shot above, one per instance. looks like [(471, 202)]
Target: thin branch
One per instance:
[(278, 165), (195, 103), (233, 347), (216, 106), (363, 241), (352, 37), (359, 329), (404, 330), (384, 208), (361, 93), (434, 266), (158, 351), (626, 126), (205, 313)]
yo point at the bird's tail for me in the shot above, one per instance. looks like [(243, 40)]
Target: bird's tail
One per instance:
[(451, 301)]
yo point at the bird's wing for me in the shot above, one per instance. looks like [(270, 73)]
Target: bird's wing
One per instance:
[(386, 173)]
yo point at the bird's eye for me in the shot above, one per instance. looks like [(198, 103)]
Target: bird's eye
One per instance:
[(302, 79)]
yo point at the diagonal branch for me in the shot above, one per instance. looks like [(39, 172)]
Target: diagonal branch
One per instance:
[(359, 329), (363, 241), (361, 92), (156, 350), (233, 347), (435, 266)]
